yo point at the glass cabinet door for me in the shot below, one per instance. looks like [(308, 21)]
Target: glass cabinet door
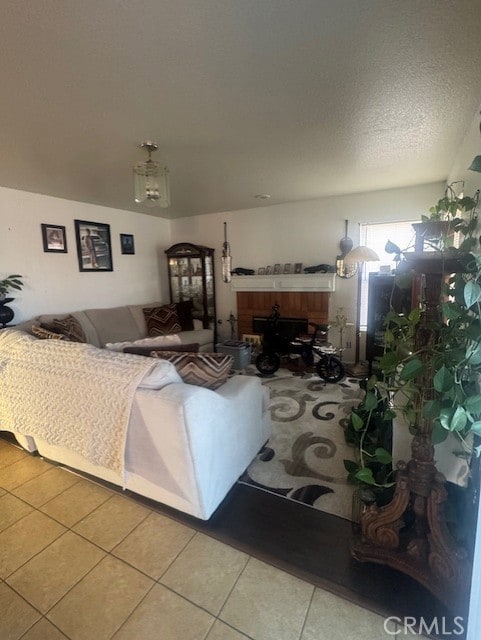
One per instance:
[(191, 277)]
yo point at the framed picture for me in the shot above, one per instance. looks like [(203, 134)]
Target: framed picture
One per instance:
[(54, 238), (268, 270), (298, 267), (261, 271), (277, 268), (287, 267), (127, 243), (94, 248)]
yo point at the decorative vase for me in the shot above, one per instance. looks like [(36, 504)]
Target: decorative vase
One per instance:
[(6, 314)]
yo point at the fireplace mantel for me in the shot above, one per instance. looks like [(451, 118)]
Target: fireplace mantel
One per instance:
[(311, 282)]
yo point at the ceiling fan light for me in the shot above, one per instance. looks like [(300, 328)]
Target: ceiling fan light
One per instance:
[(476, 164), (151, 181)]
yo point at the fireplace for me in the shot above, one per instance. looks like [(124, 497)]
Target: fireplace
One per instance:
[(311, 306), (289, 328)]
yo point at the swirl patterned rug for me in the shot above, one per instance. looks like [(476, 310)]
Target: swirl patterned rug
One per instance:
[(303, 458)]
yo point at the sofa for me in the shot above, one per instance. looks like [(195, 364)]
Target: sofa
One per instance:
[(107, 326), (128, 419)]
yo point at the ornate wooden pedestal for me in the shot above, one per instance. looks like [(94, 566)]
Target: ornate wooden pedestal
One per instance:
[(410, 533)]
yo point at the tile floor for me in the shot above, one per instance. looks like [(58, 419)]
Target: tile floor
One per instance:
[(82, 562)]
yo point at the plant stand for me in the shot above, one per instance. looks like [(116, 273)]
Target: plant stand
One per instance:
[(410, 533)]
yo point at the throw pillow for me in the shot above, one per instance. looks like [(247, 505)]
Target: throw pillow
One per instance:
[(184, 311), (160, 376), (209, 370), (162, 320), (193, 347), (45, 334), (69, 327)]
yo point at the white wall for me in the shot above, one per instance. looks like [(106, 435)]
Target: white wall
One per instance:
[(53, 280), (307, 232)]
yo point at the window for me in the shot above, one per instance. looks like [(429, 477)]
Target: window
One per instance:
[(375, 237)]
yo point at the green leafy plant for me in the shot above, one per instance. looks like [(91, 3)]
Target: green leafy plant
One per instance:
[(452, 214), (368, 430), (431, 378), (11, 282)]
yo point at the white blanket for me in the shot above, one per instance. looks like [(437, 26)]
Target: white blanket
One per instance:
[(70, 394)]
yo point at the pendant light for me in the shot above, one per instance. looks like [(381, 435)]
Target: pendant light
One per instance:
[(151, 180), (226, 258)]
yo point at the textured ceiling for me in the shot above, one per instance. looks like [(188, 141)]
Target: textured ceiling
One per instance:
[(297, 99)]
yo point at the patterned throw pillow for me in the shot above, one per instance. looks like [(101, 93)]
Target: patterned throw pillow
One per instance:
[(45, 334), (209, 370), (162, 320), (69, 327)]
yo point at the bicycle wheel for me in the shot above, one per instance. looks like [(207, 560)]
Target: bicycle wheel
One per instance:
[(268, 363), (330, 369)]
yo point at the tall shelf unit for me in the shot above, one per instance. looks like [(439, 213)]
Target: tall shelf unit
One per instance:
[(191, 277)]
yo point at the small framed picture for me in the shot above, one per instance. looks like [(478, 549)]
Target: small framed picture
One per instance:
[(268, 270), (287, 267), (261, 271), (298, 267), (277, 268), (127, 244), (54, 238), (94, 248)]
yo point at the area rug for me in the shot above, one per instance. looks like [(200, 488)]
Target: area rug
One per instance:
[(303, 458)]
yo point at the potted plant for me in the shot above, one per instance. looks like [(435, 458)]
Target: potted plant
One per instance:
[(452, 213), (430, 377), (10, 282)]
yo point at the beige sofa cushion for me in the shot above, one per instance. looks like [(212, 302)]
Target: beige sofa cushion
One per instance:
[(113, 325)]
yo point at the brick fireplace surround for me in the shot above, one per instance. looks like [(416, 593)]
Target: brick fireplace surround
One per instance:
[(313, 305)]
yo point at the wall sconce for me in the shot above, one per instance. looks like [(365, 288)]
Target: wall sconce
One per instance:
[(343, 269), (151, 180), (226, 258)]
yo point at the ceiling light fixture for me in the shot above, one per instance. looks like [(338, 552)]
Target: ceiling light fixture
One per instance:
[(151, 180)]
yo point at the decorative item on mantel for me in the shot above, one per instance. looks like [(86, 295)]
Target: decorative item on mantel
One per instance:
[(242, 271), (12, 281), (320, 268)]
